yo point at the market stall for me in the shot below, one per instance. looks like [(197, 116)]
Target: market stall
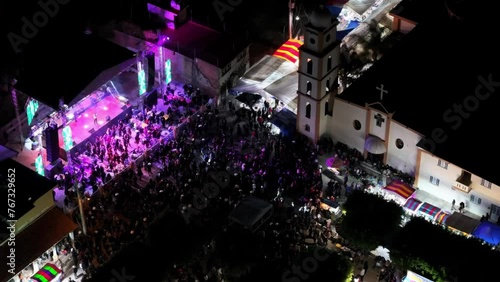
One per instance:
[(331, 206), (412, 205), (462, 224), (428, 211), (413, 277), (48, 273), (398, 191), (488, 232), (441, 217)]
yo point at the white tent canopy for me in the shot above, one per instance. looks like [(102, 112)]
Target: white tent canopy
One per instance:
[(381, 252), (271, 76)]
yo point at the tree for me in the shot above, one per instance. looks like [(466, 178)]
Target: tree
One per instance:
[(441, 255), (335, 268), (370, 220)]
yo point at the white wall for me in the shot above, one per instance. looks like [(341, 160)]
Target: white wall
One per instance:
[(342, 128), (404, 159), (302, 120), (447, 178), (320, 40), (318, 87), (375, 130)]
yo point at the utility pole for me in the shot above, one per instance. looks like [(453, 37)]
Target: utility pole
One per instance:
[(80, 206)]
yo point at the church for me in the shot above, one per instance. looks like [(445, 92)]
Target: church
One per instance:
[(422, 108)]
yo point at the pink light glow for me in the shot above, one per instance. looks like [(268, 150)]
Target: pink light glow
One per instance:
[(86, 126), (100, 122), (86, 115), (105, 108)]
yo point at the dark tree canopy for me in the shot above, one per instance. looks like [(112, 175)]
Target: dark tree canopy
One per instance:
[(335, 268), (441, 255), (370, 220)]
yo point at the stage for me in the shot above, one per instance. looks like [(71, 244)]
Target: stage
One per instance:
[(108, 110)]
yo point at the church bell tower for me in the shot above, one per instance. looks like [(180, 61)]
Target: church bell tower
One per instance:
[(318, 67)]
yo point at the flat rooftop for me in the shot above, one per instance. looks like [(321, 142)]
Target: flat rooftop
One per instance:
[(195, 40)]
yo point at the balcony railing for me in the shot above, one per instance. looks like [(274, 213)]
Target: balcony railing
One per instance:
[(462, 187)]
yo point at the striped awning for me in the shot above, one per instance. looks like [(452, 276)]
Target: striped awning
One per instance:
[(429, 210), (400, 188), (289, 51), (46, 274), (412, 204), (441, 217)]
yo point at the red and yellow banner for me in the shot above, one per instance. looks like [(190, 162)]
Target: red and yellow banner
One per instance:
[(289, 51)]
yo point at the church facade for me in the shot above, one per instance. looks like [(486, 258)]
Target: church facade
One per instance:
[(372, 119)]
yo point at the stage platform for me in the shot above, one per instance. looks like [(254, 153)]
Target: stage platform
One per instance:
[(107, 110)]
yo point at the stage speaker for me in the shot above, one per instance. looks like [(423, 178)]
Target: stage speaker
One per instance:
[(52, 143), (54, 168), (151, 99), (108, 118), (151, 70)]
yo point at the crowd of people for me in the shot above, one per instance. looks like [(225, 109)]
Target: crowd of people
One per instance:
[(280, 170)]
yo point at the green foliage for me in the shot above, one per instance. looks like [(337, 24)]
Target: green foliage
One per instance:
[(335, 268), (439, 254), (370, 220)]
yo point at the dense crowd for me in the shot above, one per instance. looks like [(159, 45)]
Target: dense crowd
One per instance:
[(279, 170)]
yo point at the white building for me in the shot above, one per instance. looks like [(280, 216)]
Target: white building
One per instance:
[(416, 109)]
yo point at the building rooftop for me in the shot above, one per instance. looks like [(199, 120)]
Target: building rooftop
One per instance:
[(197, 41), (438, 65), (30, 186)]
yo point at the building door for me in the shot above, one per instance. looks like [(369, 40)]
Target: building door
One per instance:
[(494, 213)]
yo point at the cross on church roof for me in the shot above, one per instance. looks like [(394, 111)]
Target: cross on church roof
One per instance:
[(382, 91)]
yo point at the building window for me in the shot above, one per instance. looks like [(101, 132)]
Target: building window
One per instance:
[(486, 183), (309, 66), (495, 210), (329, 63), (308, 110), (475, 199), (328, 85), (328, 110), (434, 180), (443, 164), (356, 124), (309, 88), (307, 128), (328, 37), (399, 143)]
